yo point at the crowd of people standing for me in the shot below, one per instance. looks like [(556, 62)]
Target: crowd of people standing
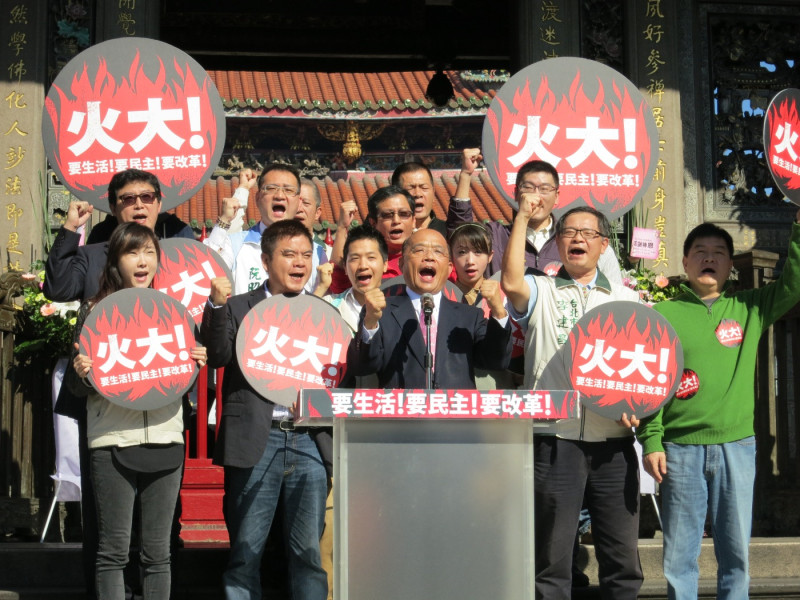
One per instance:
[(539, 272)]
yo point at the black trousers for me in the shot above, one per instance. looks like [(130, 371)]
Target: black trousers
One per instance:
[(606, 474)]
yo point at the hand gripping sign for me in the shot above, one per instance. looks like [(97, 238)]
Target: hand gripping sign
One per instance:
[(133, 103), (286, 343), (588, 121), (185, 273), (782, 142), (139, 340), (622, 357)]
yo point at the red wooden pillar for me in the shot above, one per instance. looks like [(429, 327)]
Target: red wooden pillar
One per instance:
[(202, 489)]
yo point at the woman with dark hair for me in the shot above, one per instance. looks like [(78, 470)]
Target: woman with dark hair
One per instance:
[(133, 452), (471, 252)]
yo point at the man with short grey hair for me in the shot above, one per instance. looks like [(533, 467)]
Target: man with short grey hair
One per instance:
[(591, 457)]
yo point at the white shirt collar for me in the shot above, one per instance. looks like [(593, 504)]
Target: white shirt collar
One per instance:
[(417, 302), (537, 238)]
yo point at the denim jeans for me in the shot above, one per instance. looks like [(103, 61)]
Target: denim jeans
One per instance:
[(290, 470), (606, 474), (717, 478), (115, 488)]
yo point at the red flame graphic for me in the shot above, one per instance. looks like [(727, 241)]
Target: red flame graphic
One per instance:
[(131, 93), (778, 117), (451, 293), (625, 339), (190, 258), (147, 314), (571, 111), (325, 327)]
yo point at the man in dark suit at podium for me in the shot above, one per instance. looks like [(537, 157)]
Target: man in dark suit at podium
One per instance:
[(391, 341)]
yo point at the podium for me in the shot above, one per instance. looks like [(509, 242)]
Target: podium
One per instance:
[(433, 489)]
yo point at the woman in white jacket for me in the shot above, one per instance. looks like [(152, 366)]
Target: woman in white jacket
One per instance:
[(132, 452)]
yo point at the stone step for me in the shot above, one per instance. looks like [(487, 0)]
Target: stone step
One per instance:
[(783, 589), (31, 571), (772, 587), (774, 568)]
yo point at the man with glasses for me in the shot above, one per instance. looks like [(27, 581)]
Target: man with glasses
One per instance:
[(590, 457), (73, 271), (277, 198), (541, 252), (391, 211)]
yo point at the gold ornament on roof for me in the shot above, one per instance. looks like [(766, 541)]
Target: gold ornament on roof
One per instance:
[(351, 133)]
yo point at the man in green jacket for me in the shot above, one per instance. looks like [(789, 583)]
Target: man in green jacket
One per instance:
[(701, 446)]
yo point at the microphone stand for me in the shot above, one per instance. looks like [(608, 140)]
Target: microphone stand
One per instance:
[(428, 355)]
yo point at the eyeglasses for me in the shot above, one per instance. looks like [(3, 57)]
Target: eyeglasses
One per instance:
[(271, 189), (388, 215), (130, 199), (587, 234), (423, 249), (544, 188)]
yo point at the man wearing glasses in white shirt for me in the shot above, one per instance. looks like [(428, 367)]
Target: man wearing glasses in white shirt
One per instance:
[(541, 253), (277, 198)]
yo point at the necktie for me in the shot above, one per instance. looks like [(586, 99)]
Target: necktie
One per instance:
[(471, 296), (425, 333)]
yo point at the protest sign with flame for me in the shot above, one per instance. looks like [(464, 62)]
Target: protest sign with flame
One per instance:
[(286, 343), (588, 121), (782, 142), (133, 103), (622, 357), (139, 340), (185, 273)]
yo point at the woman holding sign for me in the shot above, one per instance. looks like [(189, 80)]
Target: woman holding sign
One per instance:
[(132, 451)]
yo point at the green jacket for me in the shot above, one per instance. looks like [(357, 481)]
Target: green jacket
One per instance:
[(720, 344)]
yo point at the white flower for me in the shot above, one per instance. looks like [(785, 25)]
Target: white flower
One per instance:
[(62, 308)]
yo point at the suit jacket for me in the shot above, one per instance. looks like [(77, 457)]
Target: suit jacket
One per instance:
[(246, 416), (72, 272), (167, 226), (465, 339)]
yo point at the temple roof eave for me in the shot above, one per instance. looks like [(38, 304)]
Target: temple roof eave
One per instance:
[(233, 111), (373, 95)]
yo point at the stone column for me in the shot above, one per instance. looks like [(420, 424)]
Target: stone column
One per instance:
[(545, 29), (22, 30), (654, 66)]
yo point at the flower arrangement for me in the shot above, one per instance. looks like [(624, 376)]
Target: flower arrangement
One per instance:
[(652, 288), (47, 326)]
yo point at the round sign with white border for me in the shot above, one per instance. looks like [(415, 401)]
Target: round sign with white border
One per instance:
[(584, 118), (139, 341), (622, 357), (286, 343), (781, 142), (185, 273), (133, 103)]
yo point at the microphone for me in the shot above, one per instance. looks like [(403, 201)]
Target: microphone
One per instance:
[(427, 306)]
